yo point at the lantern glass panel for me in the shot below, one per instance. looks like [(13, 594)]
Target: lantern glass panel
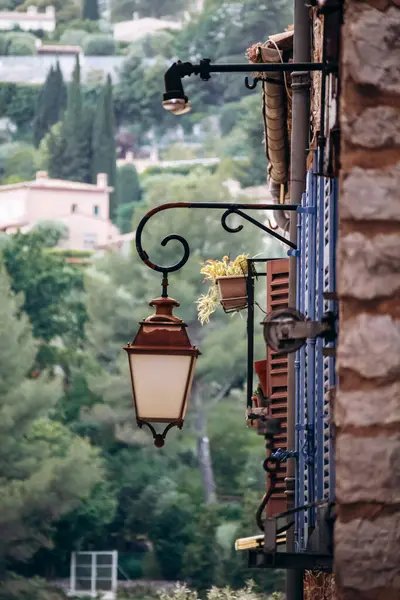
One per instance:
[(161, 385)]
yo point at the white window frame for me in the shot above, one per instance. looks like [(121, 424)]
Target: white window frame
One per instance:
[(94, 593)]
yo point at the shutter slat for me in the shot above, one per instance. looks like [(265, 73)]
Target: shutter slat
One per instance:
[(277, 375)]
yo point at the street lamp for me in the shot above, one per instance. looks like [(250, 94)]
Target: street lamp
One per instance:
[(162, 361)]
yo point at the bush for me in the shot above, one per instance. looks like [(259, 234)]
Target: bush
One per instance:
[(18, 103), (178, 170), (19, 588), (181, 592), (21, 163), (74, 37), (99, 45), (21, 44)]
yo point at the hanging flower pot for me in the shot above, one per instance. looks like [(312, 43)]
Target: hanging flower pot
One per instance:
[(227, 286), (232, 292)]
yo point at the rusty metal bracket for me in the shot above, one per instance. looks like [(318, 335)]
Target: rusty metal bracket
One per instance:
[(287, 330)]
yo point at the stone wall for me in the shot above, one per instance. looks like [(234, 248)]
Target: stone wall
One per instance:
[(367, 412)]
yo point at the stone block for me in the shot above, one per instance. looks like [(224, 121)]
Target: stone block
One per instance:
[(369, 266), (371, 54), (367, 557), (369, 345), (375, 127), (368, 468), (365, 408), (371, 194)]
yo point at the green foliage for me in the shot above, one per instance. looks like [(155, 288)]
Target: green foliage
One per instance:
[(128, 194), (249, 592), (75, 135), (177, 170), (18, 103), (159, 44), (21, 44), (18, 588), (202, 557), (74, 37), (21, 163), (52, 149), (52, 289), (99, 45), (137, 95), (38, 477), (171, 533), (51, 104), (103, 142), (125, 216), (3, 44), (90, 10)]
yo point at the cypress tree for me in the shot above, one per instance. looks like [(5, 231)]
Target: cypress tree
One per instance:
[(41, 118), (76, 158), (54, 146), (90, 10), (128, 194), (51, 104), (61, 95), (103, 142)]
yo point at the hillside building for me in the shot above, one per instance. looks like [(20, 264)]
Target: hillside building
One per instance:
[(83, 208)]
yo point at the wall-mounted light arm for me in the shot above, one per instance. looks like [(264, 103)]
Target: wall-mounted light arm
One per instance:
[(177, 102), (229, 208)]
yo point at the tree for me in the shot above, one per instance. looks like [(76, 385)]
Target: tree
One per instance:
[(76, 158), (128, 195), (99, 45), (52, 149), (137, 95), (51, 103), (171, 532), (202, 556), (90, 10), (21, 163), (103, 142), (51, 288), (39, 481)]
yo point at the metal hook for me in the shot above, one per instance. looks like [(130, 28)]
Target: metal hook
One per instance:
[(251, 86)]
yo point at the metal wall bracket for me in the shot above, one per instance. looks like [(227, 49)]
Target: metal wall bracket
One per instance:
[(287, 330), (290, 560)]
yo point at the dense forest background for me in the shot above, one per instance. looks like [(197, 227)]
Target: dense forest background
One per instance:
[(75, 472)]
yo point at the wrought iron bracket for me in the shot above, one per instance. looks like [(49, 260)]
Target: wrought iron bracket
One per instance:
[(159, 438), (228, 208)]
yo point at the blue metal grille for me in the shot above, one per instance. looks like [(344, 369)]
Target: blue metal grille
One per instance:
[(315, 373)]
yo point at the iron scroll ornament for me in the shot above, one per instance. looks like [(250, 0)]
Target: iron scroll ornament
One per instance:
[(228, 208)]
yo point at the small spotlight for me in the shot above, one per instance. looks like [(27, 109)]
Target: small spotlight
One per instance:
[(174, 99), (177, 106)]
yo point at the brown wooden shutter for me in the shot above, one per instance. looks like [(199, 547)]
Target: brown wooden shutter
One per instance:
[(277, 374)]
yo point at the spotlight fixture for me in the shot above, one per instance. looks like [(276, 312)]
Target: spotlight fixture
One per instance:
[(177, 106)]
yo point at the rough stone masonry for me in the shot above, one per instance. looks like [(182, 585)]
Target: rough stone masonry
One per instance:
[(367, 411)]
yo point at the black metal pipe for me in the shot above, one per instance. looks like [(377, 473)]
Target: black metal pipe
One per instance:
[(267, 67)]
